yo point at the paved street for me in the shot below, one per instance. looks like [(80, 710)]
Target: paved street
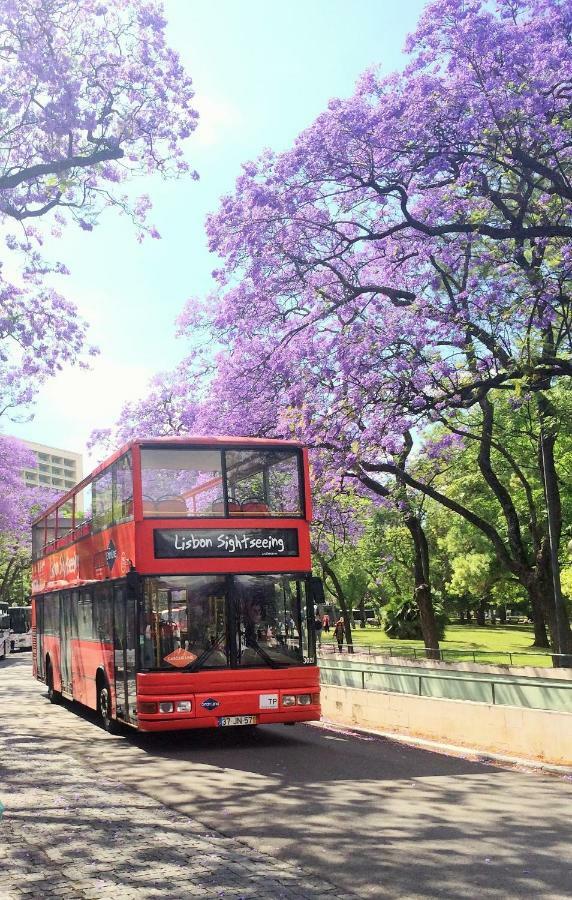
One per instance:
[(235, 814)]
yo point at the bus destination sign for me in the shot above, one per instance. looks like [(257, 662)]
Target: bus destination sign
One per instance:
[(174, 543)]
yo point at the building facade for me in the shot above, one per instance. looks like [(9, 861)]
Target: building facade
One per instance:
[(55, 468)]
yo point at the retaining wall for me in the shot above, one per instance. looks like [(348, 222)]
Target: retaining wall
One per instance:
[(530, 733)]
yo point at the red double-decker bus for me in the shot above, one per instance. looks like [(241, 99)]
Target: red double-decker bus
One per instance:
[(172, 588)]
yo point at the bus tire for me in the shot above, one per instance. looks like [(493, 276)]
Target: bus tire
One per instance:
[(108, 723), (53, 695)]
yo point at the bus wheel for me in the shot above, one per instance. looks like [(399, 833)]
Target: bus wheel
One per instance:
[(110, 724), (53, 695)]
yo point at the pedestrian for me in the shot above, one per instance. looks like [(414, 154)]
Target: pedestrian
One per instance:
[(339, 633), (318, 627), (326, 622)]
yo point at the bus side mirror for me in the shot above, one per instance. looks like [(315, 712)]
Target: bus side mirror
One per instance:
[(317, 590)]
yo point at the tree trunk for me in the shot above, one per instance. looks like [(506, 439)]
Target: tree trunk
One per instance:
[(339, 592), (480, 614), (423, 596), (541, 592), (556, 612), (540, 633)]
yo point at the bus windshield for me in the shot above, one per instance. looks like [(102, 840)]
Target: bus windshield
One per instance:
[(198, 482), (216, 621)]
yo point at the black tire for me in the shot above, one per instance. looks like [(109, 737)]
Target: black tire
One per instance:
[(108, 723), (53, 695)]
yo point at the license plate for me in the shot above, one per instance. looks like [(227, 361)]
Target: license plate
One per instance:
[(237, 720)]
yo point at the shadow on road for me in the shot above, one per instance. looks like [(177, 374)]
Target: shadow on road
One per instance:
[(374, 816)]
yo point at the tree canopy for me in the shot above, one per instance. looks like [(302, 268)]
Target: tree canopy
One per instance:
[(403, 272)]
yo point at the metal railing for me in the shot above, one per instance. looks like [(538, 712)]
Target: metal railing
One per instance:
[(488, 682), (455, 655)]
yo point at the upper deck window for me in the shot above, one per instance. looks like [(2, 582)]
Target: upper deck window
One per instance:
[(263, 482), (179, 482)]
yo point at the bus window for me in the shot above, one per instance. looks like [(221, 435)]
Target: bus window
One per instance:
[(122, 489), (85, 628), (38, 539), (180, 482), (83, 511), (263, 482), (103, 500), (65, 520), (183, 624), (50, 532), (52, 614), (273, 627)]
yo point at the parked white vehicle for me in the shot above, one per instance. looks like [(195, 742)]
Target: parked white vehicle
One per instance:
[(4, 631), (20, 627)]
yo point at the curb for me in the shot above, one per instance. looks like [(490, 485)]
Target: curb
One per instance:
[(474, 754)]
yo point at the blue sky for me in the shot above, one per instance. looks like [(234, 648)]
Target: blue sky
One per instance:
[(262, 72)]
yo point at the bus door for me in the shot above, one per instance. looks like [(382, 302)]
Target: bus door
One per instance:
[(39, 651), (125, 663), (65, 641)]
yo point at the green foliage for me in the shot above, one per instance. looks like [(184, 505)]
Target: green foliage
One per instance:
[(401, 620)]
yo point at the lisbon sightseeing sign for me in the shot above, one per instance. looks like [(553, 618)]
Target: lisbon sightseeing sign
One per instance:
[(173, 543)]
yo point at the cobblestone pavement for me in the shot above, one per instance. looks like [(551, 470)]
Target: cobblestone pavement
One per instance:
[(68, 833)]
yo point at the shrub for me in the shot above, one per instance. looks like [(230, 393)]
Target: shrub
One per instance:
[(401, 620)]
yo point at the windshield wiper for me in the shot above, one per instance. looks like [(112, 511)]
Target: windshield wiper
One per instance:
[(200, 661)]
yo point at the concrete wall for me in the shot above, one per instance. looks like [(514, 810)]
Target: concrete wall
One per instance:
[(544, 672), (529, 733), (498, 690)]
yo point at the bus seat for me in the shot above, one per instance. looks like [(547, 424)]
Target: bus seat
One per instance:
[(256, 507), (171, 506), (149, 507), (218, 507)]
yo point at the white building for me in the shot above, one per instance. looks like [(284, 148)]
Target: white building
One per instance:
[(58, 469)]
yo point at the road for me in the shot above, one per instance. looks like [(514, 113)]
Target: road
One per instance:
[(375, 817)]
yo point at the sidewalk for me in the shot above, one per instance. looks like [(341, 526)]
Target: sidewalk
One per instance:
[(67, 833)]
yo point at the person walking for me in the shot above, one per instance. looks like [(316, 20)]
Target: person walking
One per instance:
[(339, 633), (318, 627), (326, 623)]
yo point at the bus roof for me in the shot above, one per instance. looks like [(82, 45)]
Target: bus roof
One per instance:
[(191, 440)]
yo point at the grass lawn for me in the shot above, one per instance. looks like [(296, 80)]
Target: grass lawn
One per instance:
[(490, 643)]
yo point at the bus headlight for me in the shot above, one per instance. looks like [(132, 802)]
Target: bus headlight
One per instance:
[(304, 699), (288, 700), (184, 706), (167, 706)]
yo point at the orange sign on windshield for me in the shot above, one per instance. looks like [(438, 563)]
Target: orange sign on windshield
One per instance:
[(180, 658)]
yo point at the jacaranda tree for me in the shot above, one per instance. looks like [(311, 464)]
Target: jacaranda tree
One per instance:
[(92, 96), (402, 266), (411, 256)]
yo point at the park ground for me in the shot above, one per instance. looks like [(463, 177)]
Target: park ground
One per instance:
[(305, 812), (488, 644)]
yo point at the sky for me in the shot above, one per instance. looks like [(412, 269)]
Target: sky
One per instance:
[(262, 72)]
